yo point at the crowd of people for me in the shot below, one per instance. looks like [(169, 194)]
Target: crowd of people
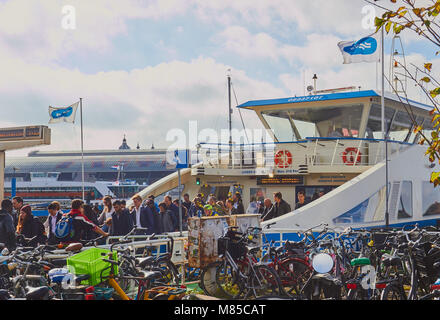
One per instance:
[(113, 218)]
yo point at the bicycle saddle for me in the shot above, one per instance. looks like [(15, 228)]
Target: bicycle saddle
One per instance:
[(327, 278), (253, 250), (82, 277), (59, 262), (151, 275), (38, 293), (143, 262), (74, 247), (391, 260), (279, 250)]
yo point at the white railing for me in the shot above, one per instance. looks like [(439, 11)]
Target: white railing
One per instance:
[(309, 152)]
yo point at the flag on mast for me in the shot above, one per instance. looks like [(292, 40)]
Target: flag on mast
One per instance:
[(366, 49), (66, 114)]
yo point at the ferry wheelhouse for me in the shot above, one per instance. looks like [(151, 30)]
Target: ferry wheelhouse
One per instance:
[(330, 147)]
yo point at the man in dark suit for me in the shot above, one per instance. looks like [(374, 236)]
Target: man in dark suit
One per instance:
[(142, 216), (174, 212), (268, 210), (121, 221), (281, 206), (51, 221)]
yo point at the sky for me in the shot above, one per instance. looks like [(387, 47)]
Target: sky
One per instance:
[(145, 67)]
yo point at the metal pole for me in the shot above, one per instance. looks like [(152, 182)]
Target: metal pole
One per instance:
[(384, 129), (382, 98), (230, 120), (82, 148), (180, 202), (14, 184)]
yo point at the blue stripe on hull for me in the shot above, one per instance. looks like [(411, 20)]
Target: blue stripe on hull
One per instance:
[(293, 236)]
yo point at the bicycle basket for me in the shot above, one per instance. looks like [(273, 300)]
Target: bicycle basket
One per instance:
[(90, 262), (235, 249)]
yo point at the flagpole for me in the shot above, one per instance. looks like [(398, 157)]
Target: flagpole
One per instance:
[(82, 147), (384, 129)]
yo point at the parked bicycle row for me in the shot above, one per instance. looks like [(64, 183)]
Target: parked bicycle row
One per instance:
[(331, 264), (95, 273), (321, 264)]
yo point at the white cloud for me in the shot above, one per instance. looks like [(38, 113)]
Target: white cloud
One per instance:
[(142, 103), (320, 50), (33, 29)]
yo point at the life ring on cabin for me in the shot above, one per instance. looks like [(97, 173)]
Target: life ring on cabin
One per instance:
[(283, 158), (349, 155)]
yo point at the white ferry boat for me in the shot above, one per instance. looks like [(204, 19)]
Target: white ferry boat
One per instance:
[(330, 147)]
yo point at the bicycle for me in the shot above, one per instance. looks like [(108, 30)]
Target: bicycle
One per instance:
[(239, 274)]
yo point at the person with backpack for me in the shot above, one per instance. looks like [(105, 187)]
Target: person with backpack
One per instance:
[(74, 225), (54, 216), (7, 229), (30, 227)]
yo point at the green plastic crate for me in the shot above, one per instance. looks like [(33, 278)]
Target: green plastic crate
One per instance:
[(90, 262)]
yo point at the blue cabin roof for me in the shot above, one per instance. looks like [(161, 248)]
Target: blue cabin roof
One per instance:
[(333, 96)]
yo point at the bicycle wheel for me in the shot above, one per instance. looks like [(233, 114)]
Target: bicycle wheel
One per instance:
[(170, 273), (227, 280), (293, 273), (392, 292), (265, 282)]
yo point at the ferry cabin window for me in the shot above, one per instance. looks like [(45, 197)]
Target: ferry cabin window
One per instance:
[(427, 128), (405, 201), (281, 125), (374, 124), (369, 210), (420, 121), (430, 199), (400, 126), (300, 123)]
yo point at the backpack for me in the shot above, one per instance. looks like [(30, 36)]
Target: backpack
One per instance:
[(64, 227)]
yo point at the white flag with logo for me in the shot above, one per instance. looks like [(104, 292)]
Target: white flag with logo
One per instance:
[(366, 49), (66, 114)]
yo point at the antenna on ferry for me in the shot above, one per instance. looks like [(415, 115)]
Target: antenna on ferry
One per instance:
[(398, 60), (314, 82), (230, 113)]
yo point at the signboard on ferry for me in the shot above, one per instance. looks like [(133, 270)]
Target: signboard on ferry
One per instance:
[(280, 180)]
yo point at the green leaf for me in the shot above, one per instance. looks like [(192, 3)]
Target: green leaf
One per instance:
[(388, 26), (419, 128), (434, 92), (428, 66), (435, 176), (425, 79)]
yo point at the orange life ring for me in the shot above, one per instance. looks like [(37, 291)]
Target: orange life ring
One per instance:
[(349, 155), (283, 158)]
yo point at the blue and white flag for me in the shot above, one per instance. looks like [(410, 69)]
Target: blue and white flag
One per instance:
[(66, 114), (366, 49)]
